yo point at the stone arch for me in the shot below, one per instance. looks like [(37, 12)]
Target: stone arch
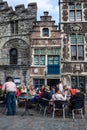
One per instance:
[(18, 43), (22, 49)]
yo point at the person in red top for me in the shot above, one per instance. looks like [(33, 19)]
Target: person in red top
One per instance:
[(73, 91), (1, 86), (18, 93)]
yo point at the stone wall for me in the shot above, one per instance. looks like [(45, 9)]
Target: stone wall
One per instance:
[(23, 19)]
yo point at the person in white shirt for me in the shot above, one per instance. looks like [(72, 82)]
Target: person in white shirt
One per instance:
[(59, 96), (60, 86)]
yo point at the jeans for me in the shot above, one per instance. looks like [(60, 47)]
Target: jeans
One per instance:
[(11, 103)]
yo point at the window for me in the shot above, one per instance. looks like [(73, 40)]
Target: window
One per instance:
[(17, 81), (14, 27), (13, 56), (53, 51), (45, 32), (75, 12), (78, 82), (54, 60), (38, 82), (77, 47), (39, 57)]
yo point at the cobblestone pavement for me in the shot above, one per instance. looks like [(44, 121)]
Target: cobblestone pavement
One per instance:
[(38, 122)]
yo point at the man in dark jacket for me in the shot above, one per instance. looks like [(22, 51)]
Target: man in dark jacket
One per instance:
[(77, 100)]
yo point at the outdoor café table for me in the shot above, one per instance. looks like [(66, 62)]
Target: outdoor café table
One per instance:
[(27, 100)]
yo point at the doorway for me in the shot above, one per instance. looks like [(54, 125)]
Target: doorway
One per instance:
[(52, 82)]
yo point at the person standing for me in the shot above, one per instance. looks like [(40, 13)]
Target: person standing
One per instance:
[(10, 88), (61, 86)]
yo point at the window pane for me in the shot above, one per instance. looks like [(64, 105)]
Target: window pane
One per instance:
[(72, 15), (80, 52), (73, 39), (80, 39), (39, 51), (72, 7), (82, 83), (36, 60), (74, 82), (50, 60), (78, 6), (36, 51), (42, 51), (38, 82), (73, 52), (56, 60), (78, 15), (53, 60), (45, 32), (13, 56), (78, 80), (42, 60), (55, 51)]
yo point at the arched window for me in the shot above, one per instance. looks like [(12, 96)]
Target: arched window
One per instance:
[(45, 32), (13, 56)]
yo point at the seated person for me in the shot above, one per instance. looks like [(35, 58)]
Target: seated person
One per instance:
[(52, 91), (32, 90), (77, 100), (71, 91), (67, 91), (45, 99), (24, 89), (46, 93), (41, 90), (59, 96)]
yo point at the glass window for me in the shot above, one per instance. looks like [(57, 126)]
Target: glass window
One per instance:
[(73, 39), (13, 56), (73, 52), (45, 32), (36, 60), (80, 39), (54, 51), (39, 51), (78, 15), (78, 82), (77, 47), (39, 56), (75, 12), (14, 27), (80, 52), (72, 7), (78, 6), (38, 82), (53, 60), (39, 60), (72, 16)]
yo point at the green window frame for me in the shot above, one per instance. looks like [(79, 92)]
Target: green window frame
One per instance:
[(39, 56)]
